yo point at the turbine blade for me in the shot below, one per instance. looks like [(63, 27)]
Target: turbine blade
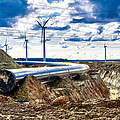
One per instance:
[(25, 35), (24, 44), (39, 18), (39, 24), (6, 41), (9, 48), (46, 22), (41, 36), (3, 46)]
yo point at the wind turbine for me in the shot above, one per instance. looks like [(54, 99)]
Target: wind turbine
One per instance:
[(6, 45), (43, 35), (26, 46), (105, 51)]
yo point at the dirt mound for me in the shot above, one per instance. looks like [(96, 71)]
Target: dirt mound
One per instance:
[(30, 89), (68, 89), (6, 62), (66, 99)]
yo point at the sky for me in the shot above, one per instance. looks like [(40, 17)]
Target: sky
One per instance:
[(77, 29)]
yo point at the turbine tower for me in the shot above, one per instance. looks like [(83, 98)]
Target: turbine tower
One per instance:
[(43, 35), (105, 52), (26, 46)]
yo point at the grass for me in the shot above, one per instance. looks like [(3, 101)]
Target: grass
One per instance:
[(6, 62)]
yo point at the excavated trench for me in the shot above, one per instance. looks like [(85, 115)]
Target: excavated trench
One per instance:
[(110, 74), (57, 90), (111, 77), (72, 87), (96, 83), (76, 87), (80, 95)]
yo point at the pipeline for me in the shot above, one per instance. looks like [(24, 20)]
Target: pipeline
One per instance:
[(8, 77)]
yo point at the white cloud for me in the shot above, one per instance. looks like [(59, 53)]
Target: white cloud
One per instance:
[(75, 50)]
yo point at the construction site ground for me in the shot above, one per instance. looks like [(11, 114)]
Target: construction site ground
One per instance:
[(93, 95), (87, 110)]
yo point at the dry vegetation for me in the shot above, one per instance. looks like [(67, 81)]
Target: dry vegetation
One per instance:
[(6, 62)]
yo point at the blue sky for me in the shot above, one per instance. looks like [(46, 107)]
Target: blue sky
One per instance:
[(80, 11), (103, 11), (9, 9), (70, 20)]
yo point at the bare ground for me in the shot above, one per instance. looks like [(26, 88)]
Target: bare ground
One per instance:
[(84, 99), (95, 110)]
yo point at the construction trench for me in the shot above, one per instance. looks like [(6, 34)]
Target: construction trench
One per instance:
[(82, 81), (76, 95), (53, 85)]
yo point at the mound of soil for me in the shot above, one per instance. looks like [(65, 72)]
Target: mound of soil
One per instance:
[(71, 88), (6, 62), (30, 89)]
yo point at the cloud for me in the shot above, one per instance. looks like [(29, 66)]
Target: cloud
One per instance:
[(72, 21), (94, 20), (44, 10), (67, 27), (51, 1), (75, 39), (81, 8), (95, 11), (117, 31), (87, 20)]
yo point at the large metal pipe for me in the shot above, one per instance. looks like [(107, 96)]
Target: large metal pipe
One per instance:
[(13, 74), (7, 81), (40, 71)]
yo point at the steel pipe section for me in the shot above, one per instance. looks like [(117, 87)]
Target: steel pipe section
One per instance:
[(8, 77), (41, 71), (7, 81)]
